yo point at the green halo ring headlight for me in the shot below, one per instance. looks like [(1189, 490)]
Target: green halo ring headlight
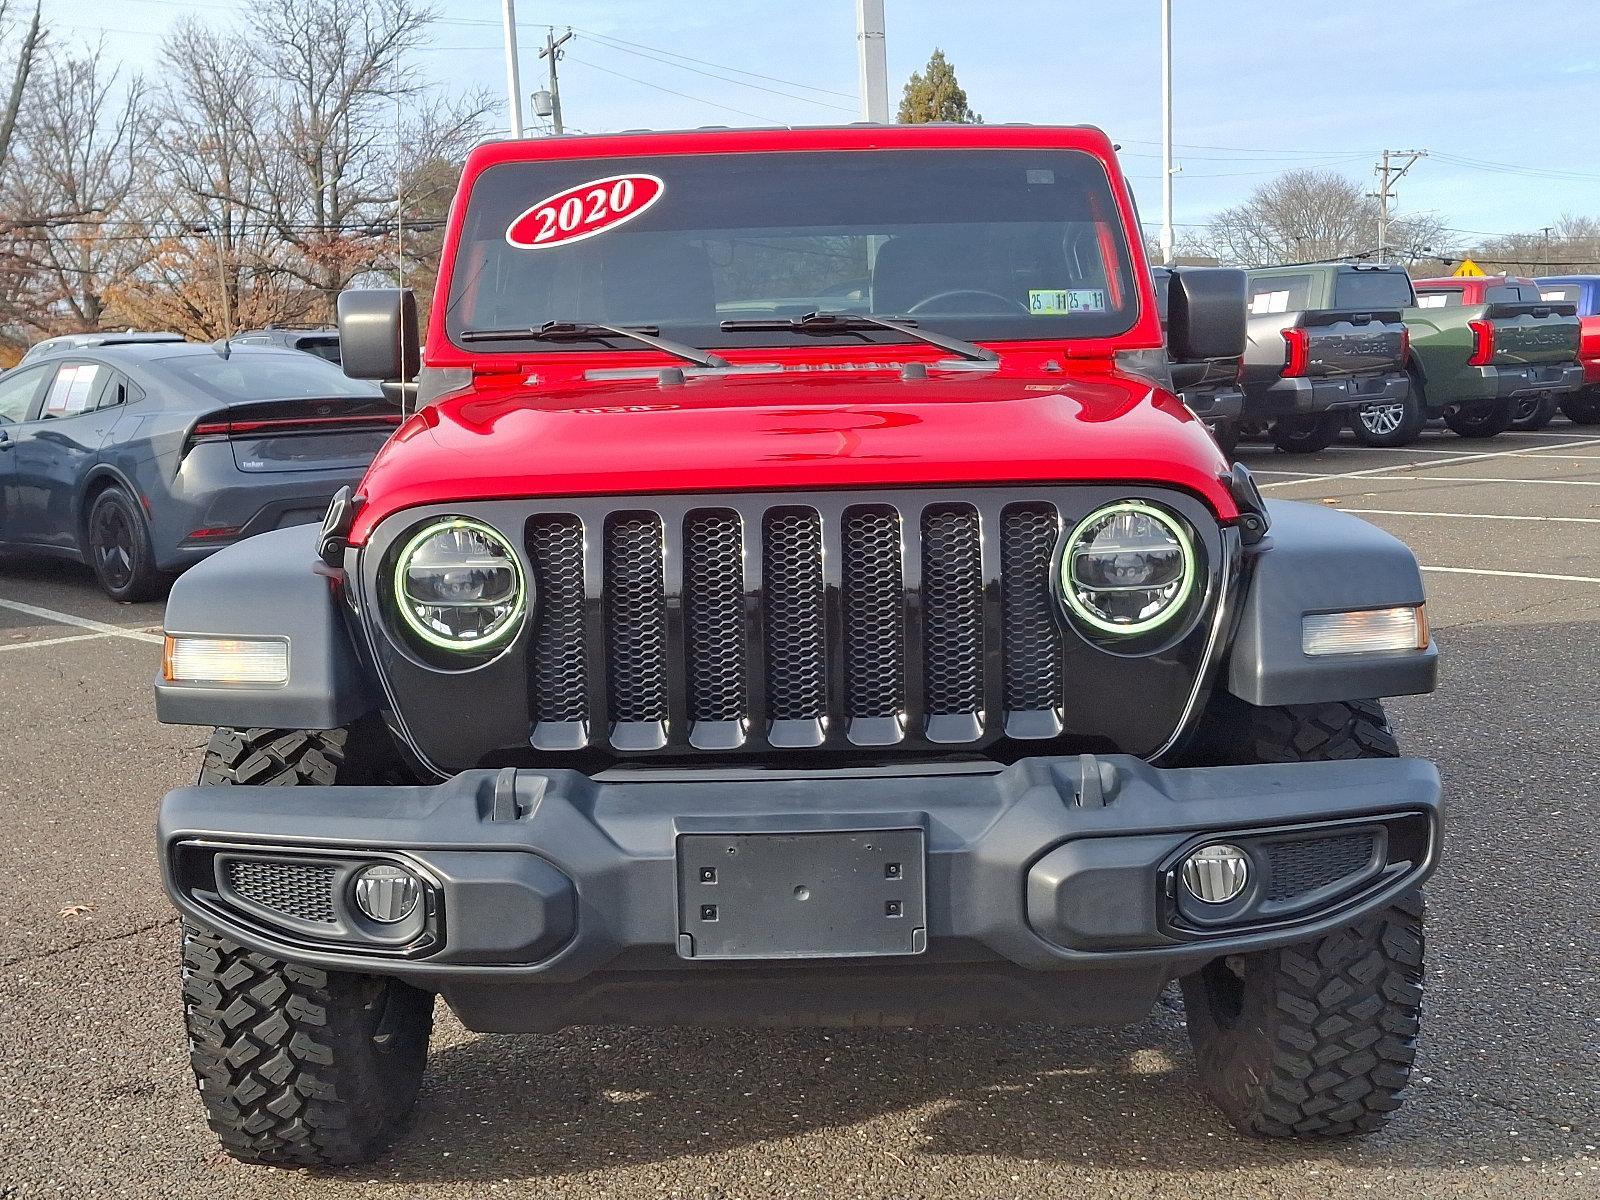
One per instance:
[(459, 586), (1127, 568)]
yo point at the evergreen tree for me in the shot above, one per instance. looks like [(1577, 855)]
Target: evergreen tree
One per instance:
[(934, 95)]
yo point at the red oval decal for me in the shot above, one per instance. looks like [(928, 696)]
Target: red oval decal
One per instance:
[(583, 211)]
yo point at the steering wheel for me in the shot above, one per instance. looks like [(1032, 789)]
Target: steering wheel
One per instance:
[(928, 302)]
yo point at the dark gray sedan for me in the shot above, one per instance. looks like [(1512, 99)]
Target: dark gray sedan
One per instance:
[(141, 459)]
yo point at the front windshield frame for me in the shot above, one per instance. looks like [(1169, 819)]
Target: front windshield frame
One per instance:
[(1089, 185)]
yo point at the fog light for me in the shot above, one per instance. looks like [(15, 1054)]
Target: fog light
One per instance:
[(1363, 632), (257, 661), (1216, 874), (387, 893)]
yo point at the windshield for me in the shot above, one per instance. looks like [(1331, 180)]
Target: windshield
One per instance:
[(267, 375), (981, 244)]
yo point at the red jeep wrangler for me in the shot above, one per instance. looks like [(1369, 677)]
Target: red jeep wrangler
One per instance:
[(799, 598)]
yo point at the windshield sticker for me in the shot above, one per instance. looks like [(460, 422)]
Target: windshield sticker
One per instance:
[(583, 211), (1056, 303)]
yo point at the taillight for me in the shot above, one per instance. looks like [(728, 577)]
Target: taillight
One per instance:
[(1405, 343), (1299, 342), (220, 428), (1482, 343)]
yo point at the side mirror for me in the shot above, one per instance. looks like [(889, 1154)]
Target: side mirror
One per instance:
[(378, 336), (1205, 313)]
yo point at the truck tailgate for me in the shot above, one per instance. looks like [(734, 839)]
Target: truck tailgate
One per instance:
[(1348, 342), (1529, 332)]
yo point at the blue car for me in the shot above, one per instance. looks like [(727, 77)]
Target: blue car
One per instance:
[(141, 458)]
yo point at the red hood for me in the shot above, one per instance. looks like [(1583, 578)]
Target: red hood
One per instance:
[(791, 431)]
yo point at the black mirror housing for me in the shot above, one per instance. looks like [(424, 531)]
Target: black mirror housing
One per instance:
[(1205, 313), (378, 334)]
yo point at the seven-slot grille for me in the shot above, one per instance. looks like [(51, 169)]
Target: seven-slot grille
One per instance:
[(749, 623)]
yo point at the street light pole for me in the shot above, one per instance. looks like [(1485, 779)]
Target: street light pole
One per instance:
[(513, 72), (1166, 132)]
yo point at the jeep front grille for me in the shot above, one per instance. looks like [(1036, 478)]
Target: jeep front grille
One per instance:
[(750, 623)]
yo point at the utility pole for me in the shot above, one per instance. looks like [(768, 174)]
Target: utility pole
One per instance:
[(1388, 175), (513, 70), (552, 51), (1167, 239), (872, 60)]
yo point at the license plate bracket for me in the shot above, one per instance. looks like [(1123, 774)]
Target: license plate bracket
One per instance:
[(834, 894)]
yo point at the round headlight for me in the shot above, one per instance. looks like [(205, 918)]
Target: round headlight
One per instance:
[(1127, 568), (459, 585)]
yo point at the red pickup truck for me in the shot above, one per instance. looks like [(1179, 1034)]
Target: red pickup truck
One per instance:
[(800, 598)]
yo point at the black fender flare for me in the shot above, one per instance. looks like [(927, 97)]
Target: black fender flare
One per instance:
[(1315, 560), (272, 585)]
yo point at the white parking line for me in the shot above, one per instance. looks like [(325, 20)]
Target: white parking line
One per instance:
[(60, 641), (61, 618), (1496, 479), (1411, 512), (1514, 574), (1409, 466)]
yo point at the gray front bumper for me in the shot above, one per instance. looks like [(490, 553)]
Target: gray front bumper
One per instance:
[(1048, 865)]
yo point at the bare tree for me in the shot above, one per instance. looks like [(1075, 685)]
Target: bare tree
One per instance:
[(1310, 216), (73, 168), (1569, 247), (337, 70), (209, 162), (29, 48)]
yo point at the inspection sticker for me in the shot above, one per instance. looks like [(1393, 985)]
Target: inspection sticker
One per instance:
[(1048, 303), (583, 211)]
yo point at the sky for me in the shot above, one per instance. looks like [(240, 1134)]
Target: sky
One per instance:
[(1502, 94)]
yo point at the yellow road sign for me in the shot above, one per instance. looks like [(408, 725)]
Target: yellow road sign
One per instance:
[(1468, 269)]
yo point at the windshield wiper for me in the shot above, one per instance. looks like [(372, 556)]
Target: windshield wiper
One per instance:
[(588, 331), (841, 322)]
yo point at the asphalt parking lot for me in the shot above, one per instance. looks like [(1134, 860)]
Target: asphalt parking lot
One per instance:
[(96, 1098)]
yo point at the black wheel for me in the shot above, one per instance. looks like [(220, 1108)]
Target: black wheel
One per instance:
[(1306, 434), (1316, 1039), (1481, 420), (297, 1066), (1391, 423), (1226, 435), (118, 545), (1582, 408), (1534, 413)]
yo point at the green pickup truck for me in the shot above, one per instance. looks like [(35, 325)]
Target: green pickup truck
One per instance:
[(1478, 347)]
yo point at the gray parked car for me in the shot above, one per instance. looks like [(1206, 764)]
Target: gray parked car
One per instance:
[(143, 458)]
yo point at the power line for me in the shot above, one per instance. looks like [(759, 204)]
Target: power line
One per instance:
[(606, 37), (672, 92), (600, 41)]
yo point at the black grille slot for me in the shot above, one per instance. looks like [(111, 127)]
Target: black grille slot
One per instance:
[(1028, 608), (713, 596), (560, 684), (1304, 866), (303, 891), (952, 603), (797, 673), (636, 623), (874, 613)]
